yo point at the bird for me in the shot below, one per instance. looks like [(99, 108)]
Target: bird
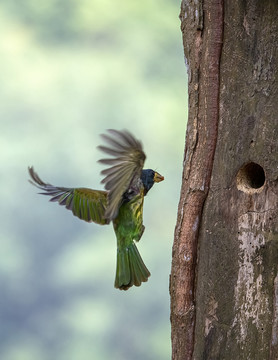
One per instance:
[(126, 184)]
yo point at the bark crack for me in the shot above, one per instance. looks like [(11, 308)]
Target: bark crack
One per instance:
[(202, 50)]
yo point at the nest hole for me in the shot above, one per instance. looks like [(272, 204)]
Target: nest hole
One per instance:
[(250, 178)]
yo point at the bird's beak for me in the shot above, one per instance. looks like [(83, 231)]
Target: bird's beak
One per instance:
[(157, 177)]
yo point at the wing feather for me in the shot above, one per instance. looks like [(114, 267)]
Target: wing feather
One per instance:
[(87, 204), (124, 169)]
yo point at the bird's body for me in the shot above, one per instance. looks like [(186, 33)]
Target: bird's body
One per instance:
[(128, 226), (126, 184)]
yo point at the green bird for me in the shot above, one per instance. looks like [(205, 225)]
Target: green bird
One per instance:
[(126, 184)]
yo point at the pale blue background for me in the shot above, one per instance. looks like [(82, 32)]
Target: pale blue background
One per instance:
[(69, 70)]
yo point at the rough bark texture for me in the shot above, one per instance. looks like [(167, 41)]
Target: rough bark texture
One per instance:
[(202, 51), (224, 280)]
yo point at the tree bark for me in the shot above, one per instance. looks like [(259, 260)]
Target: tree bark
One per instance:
[(224, 282)]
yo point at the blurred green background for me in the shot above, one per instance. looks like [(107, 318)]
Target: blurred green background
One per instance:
[(69, 70)]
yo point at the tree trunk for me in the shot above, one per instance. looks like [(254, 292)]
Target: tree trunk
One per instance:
[(224, 282)]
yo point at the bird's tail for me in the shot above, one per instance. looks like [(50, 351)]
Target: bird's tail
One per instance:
[(131, 269)]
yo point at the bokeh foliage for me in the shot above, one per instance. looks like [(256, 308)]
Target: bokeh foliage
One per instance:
[(69, 70)]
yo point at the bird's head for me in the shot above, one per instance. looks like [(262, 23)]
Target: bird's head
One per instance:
[(149, 177)]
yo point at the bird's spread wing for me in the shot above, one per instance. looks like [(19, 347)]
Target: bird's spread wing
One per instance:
[(87, 204), (125, 166)]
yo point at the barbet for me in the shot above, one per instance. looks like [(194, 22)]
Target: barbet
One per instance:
[(126, 184)]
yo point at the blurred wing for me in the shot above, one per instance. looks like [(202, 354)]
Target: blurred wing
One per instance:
[(125, 166), (87, 204)]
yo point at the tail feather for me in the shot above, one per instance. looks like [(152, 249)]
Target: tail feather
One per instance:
[(123, 269), (131, 269)]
